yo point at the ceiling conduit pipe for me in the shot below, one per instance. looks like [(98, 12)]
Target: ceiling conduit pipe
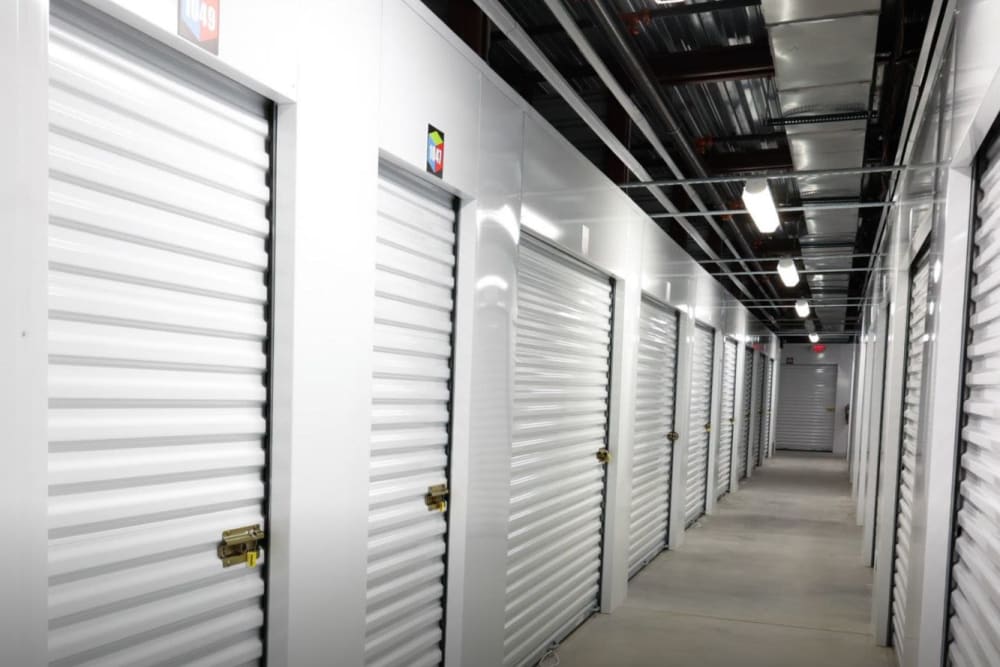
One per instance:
[(519, 38), (607, 20)]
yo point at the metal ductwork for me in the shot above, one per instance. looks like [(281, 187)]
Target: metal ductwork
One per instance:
[(824, 54)]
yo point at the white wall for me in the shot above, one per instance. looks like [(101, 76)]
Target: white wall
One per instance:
[(842, 356)]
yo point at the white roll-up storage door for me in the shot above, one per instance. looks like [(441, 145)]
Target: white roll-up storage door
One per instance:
[(806, 409), (913, 388), (411, 395), (561, 377), (699, 416), (758, 424), (744, 448), (767, 391), (652, 451), (727, 419), (975, 610), (158, 358)]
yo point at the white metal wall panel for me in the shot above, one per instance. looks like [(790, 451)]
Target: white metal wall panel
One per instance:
[(758, 425), (807, 406), (728, 417), (158, 342), (913, 387), (744, 448), (700, 409), (652, 451), (975, 598), (411, 395), (561, 377)]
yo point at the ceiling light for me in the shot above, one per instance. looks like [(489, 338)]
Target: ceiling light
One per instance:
[(669, 2), (789, 274), (813, 338), (760, 204), (802, 308)]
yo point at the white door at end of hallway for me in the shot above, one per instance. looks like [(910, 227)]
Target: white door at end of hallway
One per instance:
[(561, 389), (724, 456), (411, 420), (699, 424), (158, 355), (806, 407), (652, 449)]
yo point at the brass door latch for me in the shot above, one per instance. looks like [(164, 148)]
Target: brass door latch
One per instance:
[(672, 436), (241, 545), (437, 498), (603, 455)]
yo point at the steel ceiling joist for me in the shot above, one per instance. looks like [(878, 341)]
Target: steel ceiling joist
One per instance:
[(805, 173), (520, 39)]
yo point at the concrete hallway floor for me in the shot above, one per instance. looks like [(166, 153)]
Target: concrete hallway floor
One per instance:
[(772, 579)]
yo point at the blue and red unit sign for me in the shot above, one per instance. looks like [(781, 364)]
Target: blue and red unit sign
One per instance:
[(198, 22), (435, 151)]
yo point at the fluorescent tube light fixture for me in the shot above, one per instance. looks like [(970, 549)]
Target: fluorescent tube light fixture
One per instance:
[(759, 202), (789, 274), (814, 338), (802, 308), (669, 2)]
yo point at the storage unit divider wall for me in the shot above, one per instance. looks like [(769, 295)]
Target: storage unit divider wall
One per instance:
[(159, 311), (912, 390), (727, 419), (411, 419), (699, 421), (653, 438), (561, 386), (747, 435), (973, 635)]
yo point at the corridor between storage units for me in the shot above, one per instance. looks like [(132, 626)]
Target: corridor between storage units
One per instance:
[(772, 579)]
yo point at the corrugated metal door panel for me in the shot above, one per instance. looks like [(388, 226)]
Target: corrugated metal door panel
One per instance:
[(652, 451), (744, 448), (765, 439), (700, 409), (158, 339), (806, 408), (758, 425), (908, 447), (411, 397), (562, 366), (725, 454), (974, 624)]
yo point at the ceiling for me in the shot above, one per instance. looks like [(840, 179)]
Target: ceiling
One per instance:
[(734, 88)]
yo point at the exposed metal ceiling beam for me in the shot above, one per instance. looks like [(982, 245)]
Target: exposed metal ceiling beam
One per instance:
[(799, 209), (510, 27), (729, 63), (653, 14), (744, 61), (805, 258), (649, 91), (785, 175), (638, 118), (743, 161)]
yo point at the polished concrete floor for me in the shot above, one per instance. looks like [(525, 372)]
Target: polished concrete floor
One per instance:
[(772, 579)]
